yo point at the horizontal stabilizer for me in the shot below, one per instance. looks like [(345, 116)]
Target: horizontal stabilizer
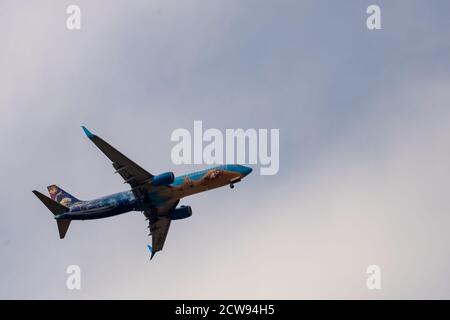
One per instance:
[(53, 206), (63, 225)]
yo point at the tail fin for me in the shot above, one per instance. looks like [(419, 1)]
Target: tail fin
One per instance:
[(59, 195), (56, 208)]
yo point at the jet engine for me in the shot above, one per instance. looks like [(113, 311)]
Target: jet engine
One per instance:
[(182, 212), (163, 179)]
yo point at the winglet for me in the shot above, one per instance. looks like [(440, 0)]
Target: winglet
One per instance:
[(151, 251), (87, 132)]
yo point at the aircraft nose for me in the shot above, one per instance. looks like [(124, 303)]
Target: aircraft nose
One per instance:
[(245, 170)]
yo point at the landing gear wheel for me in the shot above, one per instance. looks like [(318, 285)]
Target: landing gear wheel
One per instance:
[(231, 185)]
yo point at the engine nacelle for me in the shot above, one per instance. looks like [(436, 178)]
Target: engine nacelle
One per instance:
[(182, 212), (163, 179)]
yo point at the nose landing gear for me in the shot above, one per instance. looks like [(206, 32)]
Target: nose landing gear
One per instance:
[(233, 181)]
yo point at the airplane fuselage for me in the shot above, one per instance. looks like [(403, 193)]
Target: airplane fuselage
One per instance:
[(181, 187)]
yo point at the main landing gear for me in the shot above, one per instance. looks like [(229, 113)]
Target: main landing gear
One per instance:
[(231, 185)]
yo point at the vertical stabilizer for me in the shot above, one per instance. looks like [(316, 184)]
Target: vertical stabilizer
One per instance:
[(59, 195)]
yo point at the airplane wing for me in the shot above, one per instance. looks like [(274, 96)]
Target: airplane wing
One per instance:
[(159, 223), (130, 171)]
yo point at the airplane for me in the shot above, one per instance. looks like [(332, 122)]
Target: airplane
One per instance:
[(157, 196)]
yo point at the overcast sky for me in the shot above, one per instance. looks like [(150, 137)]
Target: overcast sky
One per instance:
[(364, 146)]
